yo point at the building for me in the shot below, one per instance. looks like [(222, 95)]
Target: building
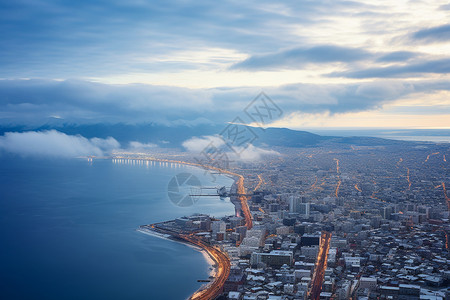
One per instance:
[(276, 258), (299, 205), (310, 240), (235, 279), (310, 252), (218, 226), (352, 261), (368, 283)]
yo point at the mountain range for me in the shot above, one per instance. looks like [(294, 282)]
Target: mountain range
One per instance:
[(174, 136)]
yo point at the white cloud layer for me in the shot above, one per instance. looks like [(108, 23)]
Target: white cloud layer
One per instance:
[(198, 144), (55, 144), (249, 153), (253, 153), (141, 146), (314, 57)]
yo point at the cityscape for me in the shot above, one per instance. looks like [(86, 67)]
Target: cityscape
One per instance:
[(224, 150), (332, 222)]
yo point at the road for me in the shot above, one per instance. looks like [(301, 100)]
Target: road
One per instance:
[(213, 289), (259, 183), (428, 157), (314, 184), (244, 204), (407, 178), (337, 165), (336, 192), (223, 266), (447, 199), (321, 266)]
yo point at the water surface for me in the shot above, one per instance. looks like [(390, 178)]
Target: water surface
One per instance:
[(67, 230)]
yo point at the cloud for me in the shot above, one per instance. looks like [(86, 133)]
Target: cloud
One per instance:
[(141, 146), (297, 57), (104, 144), (203, 43), (31, 102), (253, 153), (437, 66), (75, 101), (214, 146), (438, 34), (61, 39), (53, 143), (383, 90), (199, 144), (397, 56), (133, 41), (339, 98)]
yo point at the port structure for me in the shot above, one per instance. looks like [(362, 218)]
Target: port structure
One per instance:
[(221, 192)]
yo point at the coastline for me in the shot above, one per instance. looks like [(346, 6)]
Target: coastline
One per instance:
[(212, 269), (169, 237), (190, 242), (213, 266), (218, 260)]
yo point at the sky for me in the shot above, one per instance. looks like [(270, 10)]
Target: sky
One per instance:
[(326, 64)]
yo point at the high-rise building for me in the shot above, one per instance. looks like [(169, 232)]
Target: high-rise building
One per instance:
[(299, 205), (387, 212), (218, 226)]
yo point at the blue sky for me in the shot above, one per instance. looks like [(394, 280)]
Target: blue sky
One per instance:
[(325, 63)]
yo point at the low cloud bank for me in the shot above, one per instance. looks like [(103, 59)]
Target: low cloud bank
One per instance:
[(198, 144), (216, 143), (53, 143), (141, 146)]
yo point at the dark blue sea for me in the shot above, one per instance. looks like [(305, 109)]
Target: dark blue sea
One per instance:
[(68, 230)]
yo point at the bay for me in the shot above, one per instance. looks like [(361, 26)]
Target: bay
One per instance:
[(68, 230)]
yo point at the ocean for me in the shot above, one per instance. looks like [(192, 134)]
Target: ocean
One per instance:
[(416, 135), (68, 230)]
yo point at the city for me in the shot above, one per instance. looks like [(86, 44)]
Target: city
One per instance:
[(225, 150), (331, 222)]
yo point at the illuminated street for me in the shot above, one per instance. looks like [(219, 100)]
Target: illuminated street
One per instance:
[(213, 289), (321, 266)]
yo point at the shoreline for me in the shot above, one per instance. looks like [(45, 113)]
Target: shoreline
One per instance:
[(212, 269), (169, 237), (217, 267), (209, 258)]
